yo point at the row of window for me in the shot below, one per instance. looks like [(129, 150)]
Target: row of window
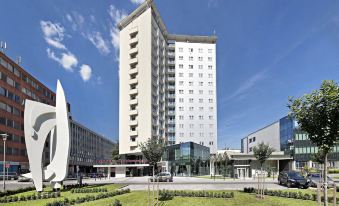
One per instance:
[(191, 134), (191, 100), (301, 136), (4, 92), (191, 126), (190, 58), (10, 109), (201, 109), (191, 117), (312, 150), (26, 79), (13, 151), (191, 66), (252, 140), (11, 123), (200, 50), (191, 91)]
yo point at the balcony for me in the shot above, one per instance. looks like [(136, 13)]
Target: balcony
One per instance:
[(133, 122), (171, 104), (171, 79), (171, 54), (171, 112), (133, 144), (133, 71), (133, 41), (133, 112), (171, 62), (170, 121), (171, 129), (133, 91), (133, 61), (133, 51), (172, 71), (133, 101), (169, 96), (133, 133), (171, 87), (133, 81)]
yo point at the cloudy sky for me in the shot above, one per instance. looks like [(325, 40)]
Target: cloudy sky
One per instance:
[(267, 50)]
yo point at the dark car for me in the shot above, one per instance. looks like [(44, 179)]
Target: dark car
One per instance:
[(9, 176), (316, 178), (163, 177), (293, 179)]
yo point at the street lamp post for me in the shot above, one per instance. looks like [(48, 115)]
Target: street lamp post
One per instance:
[(4, 138)]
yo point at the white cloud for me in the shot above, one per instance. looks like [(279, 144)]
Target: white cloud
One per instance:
[(67, 60), (137, 1), (99, 42), (77, 20), (85, 72), (53, 34), (116, 15)]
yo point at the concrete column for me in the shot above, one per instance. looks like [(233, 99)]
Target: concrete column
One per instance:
[(309, 164), (278, 168), (108, 172), (293, 165), (120, 172)]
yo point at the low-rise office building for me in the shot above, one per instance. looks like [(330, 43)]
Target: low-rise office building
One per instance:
[(285, 136)]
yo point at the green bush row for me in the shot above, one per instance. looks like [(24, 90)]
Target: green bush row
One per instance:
[(288, 194), (37, 196), (87, 198), (69, 187), (13, 192), (168, 194), (88, 190)]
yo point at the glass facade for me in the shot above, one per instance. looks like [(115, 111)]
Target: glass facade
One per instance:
[(187, 159), (287, 127)]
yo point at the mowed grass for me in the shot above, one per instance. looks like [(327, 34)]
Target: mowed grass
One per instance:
[(68, 194), (140, 198)]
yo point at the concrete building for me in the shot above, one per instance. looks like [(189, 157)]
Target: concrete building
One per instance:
[(167, 83)]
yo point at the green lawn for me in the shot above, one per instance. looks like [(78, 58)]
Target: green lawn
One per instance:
[(139, 198), (68, 194)]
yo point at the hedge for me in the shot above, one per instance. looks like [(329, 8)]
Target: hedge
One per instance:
[(88, 190), (69, 187), (288, 194), (30, 197), (87, 198), (13, 192), (168, 194)]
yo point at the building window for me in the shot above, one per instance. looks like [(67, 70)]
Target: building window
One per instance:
[(200, 50), (201, 91), (200, 58), (190, 74), (190, 83), (190, 49), (181, 83), (181, 99), (190, 100), (201, 109), (201, 100), (181, 74), (210, 67), (180, 49), (200, 67), (200, 75), (190, 91), (181, 91), (181, 66), (190, 66), (210, 75), (181, 57), (209, 50), (190, 58), (209, 59), (201, 83)]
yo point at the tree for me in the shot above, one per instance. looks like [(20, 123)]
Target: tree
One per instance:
[(153, 149), (225, 159), (262, 152), (115, 152), (317, 114)]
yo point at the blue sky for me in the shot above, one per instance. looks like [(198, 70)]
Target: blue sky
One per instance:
[(267, 50)]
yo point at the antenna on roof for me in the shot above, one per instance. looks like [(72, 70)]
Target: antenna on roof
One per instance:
[(3, 46), (18, 60)]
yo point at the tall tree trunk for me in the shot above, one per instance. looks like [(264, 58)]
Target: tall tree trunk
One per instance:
[(325, 181)]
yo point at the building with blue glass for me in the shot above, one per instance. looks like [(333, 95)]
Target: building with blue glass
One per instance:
[(187, 159)]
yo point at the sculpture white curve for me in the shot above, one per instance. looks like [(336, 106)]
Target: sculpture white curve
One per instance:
[(41, 120)]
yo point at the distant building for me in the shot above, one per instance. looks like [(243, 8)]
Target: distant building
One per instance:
[(285, 136)]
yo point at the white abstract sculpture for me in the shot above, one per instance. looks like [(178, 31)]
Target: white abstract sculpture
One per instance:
[(40, 120)]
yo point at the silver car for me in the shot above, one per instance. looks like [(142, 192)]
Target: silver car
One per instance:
[(316, 178), (163, 177)]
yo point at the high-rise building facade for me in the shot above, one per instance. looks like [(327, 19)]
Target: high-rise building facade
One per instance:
[(155, 67)]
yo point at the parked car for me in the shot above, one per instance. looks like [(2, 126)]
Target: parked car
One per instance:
[(315, 178), (163, 177), (9, 176), (293, 179)]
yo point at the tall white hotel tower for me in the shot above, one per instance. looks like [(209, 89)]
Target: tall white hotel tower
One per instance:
[(167, 83)]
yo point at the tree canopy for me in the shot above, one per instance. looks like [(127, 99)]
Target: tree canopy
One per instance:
[(262, 152), (153, 150)]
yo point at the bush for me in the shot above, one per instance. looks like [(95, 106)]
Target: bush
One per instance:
[(165, 195)]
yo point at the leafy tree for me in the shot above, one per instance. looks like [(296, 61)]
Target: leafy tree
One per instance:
[(153, 149), (317, 114), (225, 159), (262, 152), (115, 152)]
